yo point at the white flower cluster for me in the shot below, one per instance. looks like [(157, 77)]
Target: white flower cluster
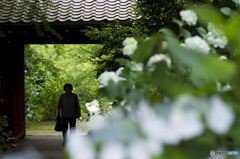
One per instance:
[(216, 37), (147, 129), (196, 43), (157, 58), (164, 45), (130, 45), (189, 17), (219, 116), (134, 66), (96, 122), (223, 88), (106, 77)]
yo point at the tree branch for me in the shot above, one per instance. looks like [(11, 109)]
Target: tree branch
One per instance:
[(86, 50)]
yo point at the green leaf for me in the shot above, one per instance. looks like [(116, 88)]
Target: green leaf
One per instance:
[(226, 11), (236, 1), (213, 15), (186, 33), (203, 66), (202, 31), (178, 22), (166, 31), (144, 50)]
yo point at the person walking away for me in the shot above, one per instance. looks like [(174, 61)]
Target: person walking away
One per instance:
[(69, 109), (88, 117)]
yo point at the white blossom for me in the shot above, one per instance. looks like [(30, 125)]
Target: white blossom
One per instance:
[(198, 44), (113, 150), (129, 49), (164, 45), (227, 87), (119, 71), (159, 57), (143, 149), (187, 125), (129, 41), (82, 143), (130, 45), (216, 37), (136, 66), (106, 77), (189, 17), (96, 122), (222, 58), (182, 122), (219, 116)]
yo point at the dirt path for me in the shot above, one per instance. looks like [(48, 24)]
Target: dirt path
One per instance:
[(48, 146)]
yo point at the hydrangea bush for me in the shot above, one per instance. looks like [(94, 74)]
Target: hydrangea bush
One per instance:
[(178, 94)]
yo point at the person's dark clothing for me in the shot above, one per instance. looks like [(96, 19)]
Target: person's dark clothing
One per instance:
[(70, 109), (69, 105), (72, 122)]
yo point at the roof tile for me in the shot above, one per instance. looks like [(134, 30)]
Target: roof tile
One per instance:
[(73, 10)]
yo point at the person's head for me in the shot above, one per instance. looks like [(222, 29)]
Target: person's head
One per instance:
[(68, 88)]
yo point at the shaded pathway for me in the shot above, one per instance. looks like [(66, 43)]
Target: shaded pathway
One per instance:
[(40, 147), (48, 146)]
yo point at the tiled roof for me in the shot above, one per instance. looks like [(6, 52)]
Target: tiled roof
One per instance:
[(69, 10)]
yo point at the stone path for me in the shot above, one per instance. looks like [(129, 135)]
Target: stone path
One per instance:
[(48, 146)]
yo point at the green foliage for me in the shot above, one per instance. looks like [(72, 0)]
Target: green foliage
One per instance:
[(48, 68), (191, 72), (111, 37), (153, 15), (6, 139)]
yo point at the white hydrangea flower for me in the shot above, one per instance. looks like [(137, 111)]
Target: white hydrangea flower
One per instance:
[(82, 143), (113, 151), (164, 45), (187, 125), (157, 58), (182, 122), (189, 17), (222, 58), (136, 66), (156, 128), (216, 37), (129, 49), (183, 45), (129, 41), (144, 149), (227, 87), (119, 71), (219, 116), (130, 45), (105, 77), (198, 44), (96, 122)]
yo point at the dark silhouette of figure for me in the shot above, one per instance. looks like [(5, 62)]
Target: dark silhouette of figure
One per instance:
[(88, 117), (69, 109)]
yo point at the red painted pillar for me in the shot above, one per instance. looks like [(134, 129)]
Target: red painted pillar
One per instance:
[(3, 81), (17, 91), (12, 87)]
